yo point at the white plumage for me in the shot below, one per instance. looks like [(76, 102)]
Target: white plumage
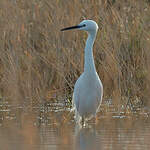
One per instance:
[(88, 90)]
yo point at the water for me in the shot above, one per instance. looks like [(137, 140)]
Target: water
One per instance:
[(55, 129)]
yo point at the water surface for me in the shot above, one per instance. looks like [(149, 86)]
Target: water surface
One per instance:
[(55, 129)]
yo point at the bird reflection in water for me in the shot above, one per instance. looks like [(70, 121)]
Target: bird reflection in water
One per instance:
[(86, 139)]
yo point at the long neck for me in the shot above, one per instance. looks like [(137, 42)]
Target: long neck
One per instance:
[(89, 65)]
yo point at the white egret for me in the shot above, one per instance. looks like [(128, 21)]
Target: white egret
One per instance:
[(88, 90)]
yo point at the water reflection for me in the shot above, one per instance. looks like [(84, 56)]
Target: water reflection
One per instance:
[(86, 139), (56, 130)]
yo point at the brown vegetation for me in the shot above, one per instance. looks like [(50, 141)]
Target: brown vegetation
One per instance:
[(39, 63)]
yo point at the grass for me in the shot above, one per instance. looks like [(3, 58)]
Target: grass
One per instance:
[(38, 63)]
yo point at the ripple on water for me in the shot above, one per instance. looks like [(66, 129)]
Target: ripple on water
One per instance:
[(53, 127)]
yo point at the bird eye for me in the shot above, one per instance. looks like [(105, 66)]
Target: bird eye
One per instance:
[(83, 25)]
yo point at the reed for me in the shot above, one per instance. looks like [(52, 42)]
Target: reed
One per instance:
[(38, 63)]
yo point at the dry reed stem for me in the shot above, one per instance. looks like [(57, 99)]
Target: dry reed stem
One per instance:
[(36, 58)]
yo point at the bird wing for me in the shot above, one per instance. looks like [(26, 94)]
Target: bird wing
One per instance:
[(76, 95), (99, 91)]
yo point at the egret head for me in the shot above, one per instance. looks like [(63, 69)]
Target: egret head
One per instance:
[(87, 25)]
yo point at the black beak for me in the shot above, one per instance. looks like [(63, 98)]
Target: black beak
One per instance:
[(73, 27)]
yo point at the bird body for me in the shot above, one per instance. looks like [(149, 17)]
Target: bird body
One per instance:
[(86, 100), (88, 89)]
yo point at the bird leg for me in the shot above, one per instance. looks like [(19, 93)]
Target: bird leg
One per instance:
[(83, 121)]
